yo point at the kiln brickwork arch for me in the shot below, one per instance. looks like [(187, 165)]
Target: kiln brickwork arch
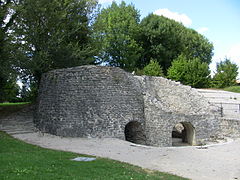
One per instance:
[(95, 101)]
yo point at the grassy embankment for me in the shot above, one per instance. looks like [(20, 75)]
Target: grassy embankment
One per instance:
[(233, 89), (19, 160)]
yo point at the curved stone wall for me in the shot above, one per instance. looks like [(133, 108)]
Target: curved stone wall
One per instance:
[(95, 101), (88, 101)]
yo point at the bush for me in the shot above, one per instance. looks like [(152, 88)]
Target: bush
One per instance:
[(190, 72), (153, 69), (226, 74)]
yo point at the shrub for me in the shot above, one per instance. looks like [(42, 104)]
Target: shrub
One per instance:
[(153, 69), (191, 72), (226, 74)]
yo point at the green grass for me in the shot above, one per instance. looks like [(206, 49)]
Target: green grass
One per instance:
[(14, 104), (233, 89), (22, 161)]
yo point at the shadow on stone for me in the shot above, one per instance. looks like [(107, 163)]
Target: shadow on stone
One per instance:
[(134, 133), (183, 134)]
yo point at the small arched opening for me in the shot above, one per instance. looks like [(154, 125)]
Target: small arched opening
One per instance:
[(183, 134), (134, 133)]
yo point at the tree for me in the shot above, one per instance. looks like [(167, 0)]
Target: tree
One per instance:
[(11, 91), (226, 74), (165, 39), (117, 29), (8, 86), (190, 72), (153, 69), (54, 34)]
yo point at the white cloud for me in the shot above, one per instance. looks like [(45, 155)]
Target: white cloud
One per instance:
[(234, 53), (202, 30), (175, 16)]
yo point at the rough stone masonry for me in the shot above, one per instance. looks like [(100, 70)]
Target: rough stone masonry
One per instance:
[(103, 102)]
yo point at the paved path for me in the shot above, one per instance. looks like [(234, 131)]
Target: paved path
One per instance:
[(216, 162)]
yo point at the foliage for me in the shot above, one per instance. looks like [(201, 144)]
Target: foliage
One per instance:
[(53, 34), (235, 89), (153, 69), (42, 35), (13, 104), (8, 86), (117, 29), (19, 160), (29, 91), (165, 39), (190, 72), (10, 91), (226, 74)]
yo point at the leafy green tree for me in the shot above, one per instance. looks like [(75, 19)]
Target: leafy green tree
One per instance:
[(54, 34), (153, 69), (7, 71), (226, 74), (165, 39), (197, 46), (117, 29), (11, 91), (190, 72)]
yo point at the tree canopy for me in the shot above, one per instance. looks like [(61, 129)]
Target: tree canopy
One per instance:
[(37, 36), (117, 29), (54, 34), (8, 87), (165, 39)]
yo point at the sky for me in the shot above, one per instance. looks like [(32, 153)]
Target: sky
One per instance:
[(217, 20)]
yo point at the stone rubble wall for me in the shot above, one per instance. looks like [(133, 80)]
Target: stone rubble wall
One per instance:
[(88, 101), (95, 101), (167, 103), (230, 127)]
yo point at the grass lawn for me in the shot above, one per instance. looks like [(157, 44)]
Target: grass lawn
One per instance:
[(233, 89), (22, 161), (13, 104)]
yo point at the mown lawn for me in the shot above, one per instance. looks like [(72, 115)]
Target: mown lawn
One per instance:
[(22, 161), (233, 89), (13, 104)]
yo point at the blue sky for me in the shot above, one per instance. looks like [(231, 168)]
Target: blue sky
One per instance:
[(218, 20)]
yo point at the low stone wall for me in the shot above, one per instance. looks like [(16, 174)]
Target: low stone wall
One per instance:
[(230, 127)]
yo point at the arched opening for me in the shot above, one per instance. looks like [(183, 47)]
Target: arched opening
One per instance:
[(134, 133), (183, 134)]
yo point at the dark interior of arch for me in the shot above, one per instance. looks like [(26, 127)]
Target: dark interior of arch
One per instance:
[(184, 136), (134, 133)]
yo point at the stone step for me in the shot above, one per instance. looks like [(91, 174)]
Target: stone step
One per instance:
[(229, 101)]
